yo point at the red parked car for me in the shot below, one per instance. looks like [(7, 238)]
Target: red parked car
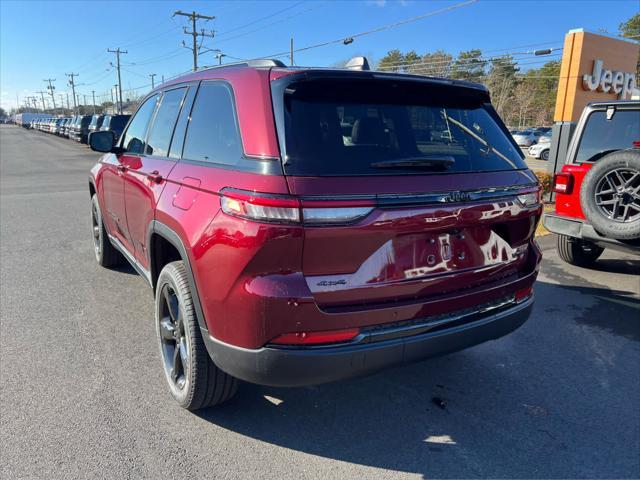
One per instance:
[(300, 226), (598, 188)]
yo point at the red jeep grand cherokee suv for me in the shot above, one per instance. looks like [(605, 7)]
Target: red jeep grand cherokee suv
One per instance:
[(300, 226)]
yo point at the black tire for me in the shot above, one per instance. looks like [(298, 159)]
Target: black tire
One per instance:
[(194, 380), (606, 211), (545, 154), (578, 252), (106, 254)]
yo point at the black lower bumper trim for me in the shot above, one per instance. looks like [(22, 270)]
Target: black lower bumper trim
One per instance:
[(293, 367), (575, 228)]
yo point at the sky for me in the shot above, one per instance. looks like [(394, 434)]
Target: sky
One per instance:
[(42, 40)]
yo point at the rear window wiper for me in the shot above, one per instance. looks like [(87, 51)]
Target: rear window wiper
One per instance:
[(416, 162)]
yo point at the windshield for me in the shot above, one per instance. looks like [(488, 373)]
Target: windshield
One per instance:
[(601, 136), (356, 127)]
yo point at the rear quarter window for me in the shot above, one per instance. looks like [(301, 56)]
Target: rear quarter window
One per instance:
[(212, 133)]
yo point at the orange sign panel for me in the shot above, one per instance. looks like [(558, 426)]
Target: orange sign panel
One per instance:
[(594, 68)]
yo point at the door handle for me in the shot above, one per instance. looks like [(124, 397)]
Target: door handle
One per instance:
[(155, 176)]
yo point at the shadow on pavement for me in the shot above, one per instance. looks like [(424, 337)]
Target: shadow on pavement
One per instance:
[(482, 412), (610, 265)]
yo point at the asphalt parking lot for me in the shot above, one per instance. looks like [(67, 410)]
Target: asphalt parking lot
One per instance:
[(82, 393)]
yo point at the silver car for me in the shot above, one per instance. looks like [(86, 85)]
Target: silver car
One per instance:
[(526, 138), (542, 148)]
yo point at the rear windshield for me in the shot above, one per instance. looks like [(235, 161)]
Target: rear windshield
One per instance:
[(383, 127), (602, 136)]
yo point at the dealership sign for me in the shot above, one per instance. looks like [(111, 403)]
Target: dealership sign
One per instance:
[(609, 81)]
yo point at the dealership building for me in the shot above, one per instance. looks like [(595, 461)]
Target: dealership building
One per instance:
[(595, 68)]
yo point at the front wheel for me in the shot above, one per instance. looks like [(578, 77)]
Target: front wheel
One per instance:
[(544, 155), (194, 380), (578, 252), (106, 254)]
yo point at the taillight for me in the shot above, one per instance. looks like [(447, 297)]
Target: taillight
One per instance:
[(524, 293), (272, 208), (563, 182), (286, 209), (530, 199), (316, 338), (323, 212)]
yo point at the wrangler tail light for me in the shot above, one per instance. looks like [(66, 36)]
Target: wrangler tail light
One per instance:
[(286, 209), (316, 338), (563, 183)]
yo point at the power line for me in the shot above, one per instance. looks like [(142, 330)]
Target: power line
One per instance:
[(118, 52), (51, 88), (458, 63), (194, 17), (508, 52), (73, 88), (389, 26), (235, 29), (264, 27)]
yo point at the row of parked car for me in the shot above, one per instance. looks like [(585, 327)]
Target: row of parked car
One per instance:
[(78, 127)]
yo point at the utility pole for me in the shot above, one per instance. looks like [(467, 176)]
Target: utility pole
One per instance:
[(153, 85), (93, 92), (35, 103), (72, 84), (61, 102), (117, 51), (51, 89), (78, 102), (193, 16), (116, 90), (67, 100), (85, 100), (291, 52), (44, 106)]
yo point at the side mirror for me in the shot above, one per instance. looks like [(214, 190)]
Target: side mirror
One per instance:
[(102, 141)]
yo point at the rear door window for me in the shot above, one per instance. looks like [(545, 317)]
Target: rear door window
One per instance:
[(134, 138), (602, 135), (164, 123), (383, 127), (212, 133)]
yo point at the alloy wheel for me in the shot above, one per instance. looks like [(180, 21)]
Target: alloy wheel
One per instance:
[(173, 341), (95, 229), (617, 195)]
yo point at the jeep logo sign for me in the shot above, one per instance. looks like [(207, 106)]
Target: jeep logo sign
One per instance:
[(602, 80)]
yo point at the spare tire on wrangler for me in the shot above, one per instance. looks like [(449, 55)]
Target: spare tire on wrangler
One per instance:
[(610, 195)]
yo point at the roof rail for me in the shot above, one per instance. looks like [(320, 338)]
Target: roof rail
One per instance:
[(262, 62)]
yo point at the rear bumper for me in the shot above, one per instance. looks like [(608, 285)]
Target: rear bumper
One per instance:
[(576, 228), (299, 366)]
